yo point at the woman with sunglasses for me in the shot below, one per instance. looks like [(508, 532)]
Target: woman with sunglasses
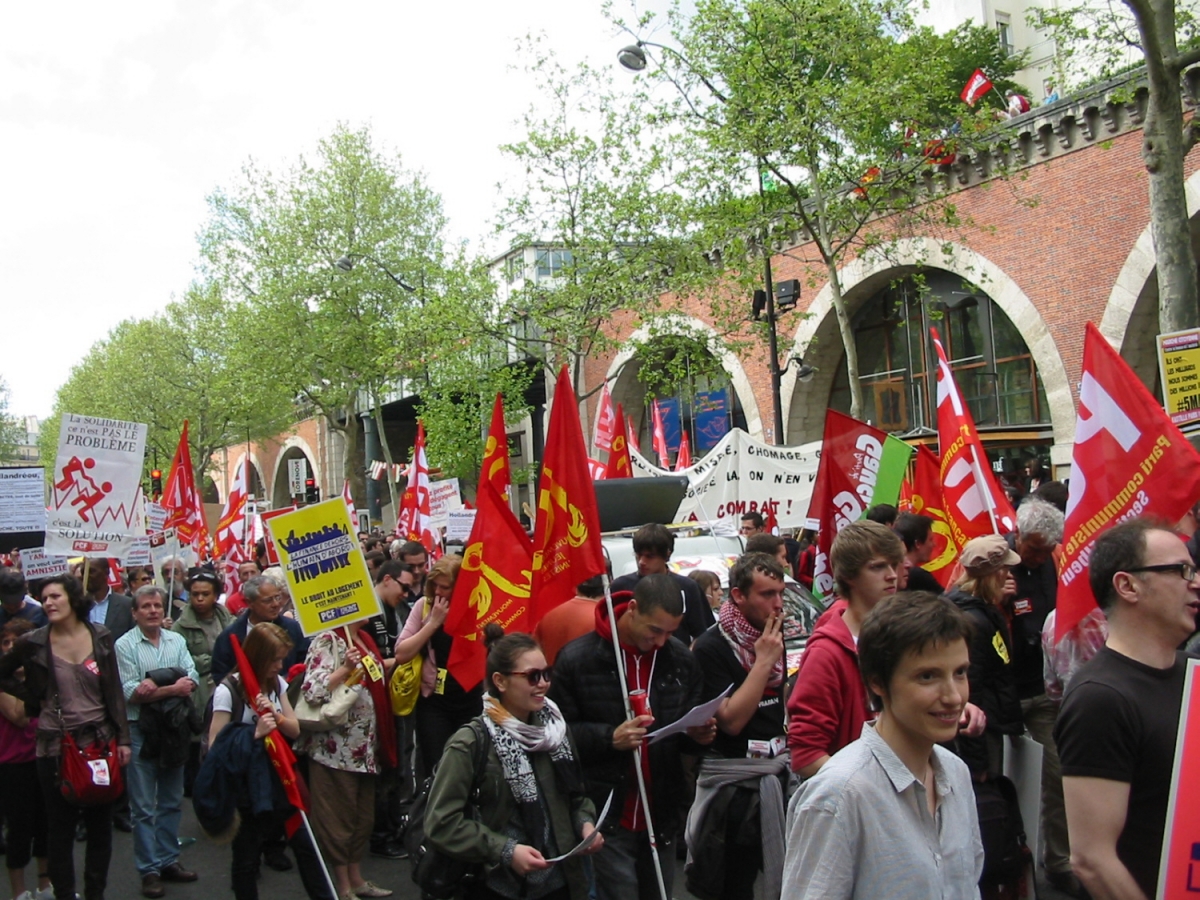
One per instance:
[(531, 803), (444, 705)]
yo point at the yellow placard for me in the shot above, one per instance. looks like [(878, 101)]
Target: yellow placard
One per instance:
[(1179, 368), (326, 572)]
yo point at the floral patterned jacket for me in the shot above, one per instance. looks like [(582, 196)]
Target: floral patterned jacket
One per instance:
[(350, 748)]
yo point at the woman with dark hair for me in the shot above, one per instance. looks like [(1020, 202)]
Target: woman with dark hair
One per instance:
[(444, 705), (138, 577), (531, 804), (72, 684), (20, 796), (266, 647)]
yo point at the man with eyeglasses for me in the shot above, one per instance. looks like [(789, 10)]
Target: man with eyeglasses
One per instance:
[(1117, 730), (413, 557), (264, 603)]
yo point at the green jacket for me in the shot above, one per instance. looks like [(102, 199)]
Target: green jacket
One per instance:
[(199, 646), (448, 830)]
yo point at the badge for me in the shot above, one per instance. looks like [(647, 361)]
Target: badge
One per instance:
[(99, 769), (372, 667), (91, 666), (1022, 607), (440, 686)]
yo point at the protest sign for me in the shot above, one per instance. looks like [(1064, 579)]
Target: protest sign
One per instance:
[(139, 553), (742, 475), (36, 564), (323, 561), (459, 523), (443, 497), (163, 546), (22, 499), (96, 496), (1179, 369), (1179, 871), (156, 517)]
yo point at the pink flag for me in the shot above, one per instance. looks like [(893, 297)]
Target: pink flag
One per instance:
[(660, 439), (606, 421), (685, 453), (415, 521), (231, 528), (349, 498)]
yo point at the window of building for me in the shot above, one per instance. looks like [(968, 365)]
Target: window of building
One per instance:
[(1004, 31), (514, 267), (898, 363), (552, 263)]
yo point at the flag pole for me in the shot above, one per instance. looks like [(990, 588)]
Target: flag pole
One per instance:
[(320, 857), (989, 500), (637, 751)]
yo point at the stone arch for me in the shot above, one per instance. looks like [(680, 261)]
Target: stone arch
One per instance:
[(622, 380), (292, 448), (818, 339), (1130, 319)]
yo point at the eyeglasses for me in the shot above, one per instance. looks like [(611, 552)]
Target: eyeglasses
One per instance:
[(1186, 571), (535, 676)]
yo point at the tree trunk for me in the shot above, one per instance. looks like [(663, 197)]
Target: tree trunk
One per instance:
[(1163, 152), (377, 414)]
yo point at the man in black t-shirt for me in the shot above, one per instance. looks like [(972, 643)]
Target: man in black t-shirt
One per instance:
[(744, 650), (1117, 729), (652, 547), (916, 530)]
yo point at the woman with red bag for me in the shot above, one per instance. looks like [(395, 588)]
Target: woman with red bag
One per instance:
[(72, 684)]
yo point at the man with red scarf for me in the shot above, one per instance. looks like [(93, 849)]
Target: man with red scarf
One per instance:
[(732, 838), (588, 691)]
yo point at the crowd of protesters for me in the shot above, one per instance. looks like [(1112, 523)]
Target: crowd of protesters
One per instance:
[(863, 772)]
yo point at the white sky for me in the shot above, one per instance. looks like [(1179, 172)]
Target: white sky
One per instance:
[(119, 119)]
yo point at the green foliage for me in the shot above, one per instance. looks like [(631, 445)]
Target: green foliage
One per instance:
[(195, 360)]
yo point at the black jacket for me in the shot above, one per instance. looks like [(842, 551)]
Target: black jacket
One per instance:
[(33, 653), (236, 774), (1037, 591), (991, 676), (588, 691)]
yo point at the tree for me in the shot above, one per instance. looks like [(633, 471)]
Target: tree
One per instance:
[(11, 430), (1095, 37), (344, 268), (811, 118), (600, 206), (195, 360)]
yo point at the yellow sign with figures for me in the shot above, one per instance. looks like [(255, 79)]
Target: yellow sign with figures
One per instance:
[(1179, 368), (326, 572)]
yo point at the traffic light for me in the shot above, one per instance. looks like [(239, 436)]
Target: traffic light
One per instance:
[(156, 483), (311, 492)]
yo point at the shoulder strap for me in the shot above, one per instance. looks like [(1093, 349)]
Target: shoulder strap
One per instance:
[(483, 743)]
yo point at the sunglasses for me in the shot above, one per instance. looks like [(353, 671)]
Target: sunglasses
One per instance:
[(535, 676)]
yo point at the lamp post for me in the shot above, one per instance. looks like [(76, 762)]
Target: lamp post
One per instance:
[(634, 59)]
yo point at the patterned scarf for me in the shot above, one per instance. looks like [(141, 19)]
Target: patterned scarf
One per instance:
[(741, 636), (514, 740)]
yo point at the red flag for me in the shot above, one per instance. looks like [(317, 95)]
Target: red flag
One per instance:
[(349, 498), (974, 503), (770, 521), (415, 521), (619, 464), (116, 575), (844, 485), (597, 469), (685, 453), (977, 85), (567, 532), (660, 439), (277, 748), (185, 511), (493, 585), (231, 527), (927, 500), (496, 470), (1129, 460), (631, 434), (606, 421)]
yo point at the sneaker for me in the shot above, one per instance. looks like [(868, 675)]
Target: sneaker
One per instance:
[(24, 896), (370, 889), (47, 894)]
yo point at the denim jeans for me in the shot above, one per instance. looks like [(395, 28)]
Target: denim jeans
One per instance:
[(155, 800), (625, 869)]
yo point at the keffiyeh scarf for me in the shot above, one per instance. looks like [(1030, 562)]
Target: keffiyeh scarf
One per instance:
[(741, 636)]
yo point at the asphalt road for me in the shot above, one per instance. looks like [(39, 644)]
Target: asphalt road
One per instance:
[(211, 861)]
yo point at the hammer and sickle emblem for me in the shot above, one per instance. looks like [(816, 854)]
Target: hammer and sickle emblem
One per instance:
[(481, 594)]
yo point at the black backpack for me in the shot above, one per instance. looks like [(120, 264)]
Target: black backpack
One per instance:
[(1006, 854), (439, 876)]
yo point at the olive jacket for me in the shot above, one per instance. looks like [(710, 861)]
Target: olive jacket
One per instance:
[(448, 830), (201, 649)]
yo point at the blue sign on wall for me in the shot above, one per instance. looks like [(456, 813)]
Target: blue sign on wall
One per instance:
[(711, 419), (669, 410)]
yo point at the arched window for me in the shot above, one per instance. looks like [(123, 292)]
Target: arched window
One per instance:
[(897, 361)]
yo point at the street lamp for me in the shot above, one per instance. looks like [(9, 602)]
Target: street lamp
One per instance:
[(634, 59), (346, 263)]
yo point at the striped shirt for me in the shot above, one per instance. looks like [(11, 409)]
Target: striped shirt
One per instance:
[(136, 656)]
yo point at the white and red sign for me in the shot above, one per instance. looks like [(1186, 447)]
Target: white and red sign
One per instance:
[(96, 494), (977, 85), (975, 505), (36, 564), (1129, 460)]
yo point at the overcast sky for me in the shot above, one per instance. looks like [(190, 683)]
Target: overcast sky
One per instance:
[(119, 119)]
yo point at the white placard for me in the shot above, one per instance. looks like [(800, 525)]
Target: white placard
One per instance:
[(23, 499), (443, 497), (140, 554), (36, 564), (96, 495), (459, 523), (156, 517), (297, 475)]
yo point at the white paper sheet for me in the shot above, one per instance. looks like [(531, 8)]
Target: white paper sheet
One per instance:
[(590, 839), (697, 716)]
